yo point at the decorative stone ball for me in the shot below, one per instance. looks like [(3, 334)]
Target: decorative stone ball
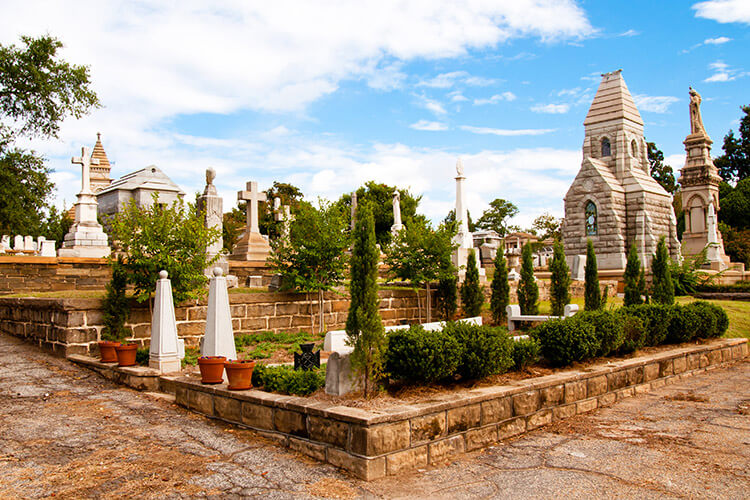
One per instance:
[(163, 275), (218, 272)]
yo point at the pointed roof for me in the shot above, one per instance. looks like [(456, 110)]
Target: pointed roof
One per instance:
[(99, 153), (613, 101)]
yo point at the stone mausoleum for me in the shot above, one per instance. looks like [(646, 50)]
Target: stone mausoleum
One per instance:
[(138, 186), (613, 200)]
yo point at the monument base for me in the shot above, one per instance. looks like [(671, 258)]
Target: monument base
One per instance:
[(251, 247), (166, 365)]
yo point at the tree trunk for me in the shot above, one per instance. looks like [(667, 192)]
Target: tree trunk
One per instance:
[(419, 304), (321, 304), (429, 304), (312, 313)]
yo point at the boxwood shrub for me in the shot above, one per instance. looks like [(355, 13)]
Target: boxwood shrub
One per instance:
[(286, 380), (484, 350), (563, 341), (608, 326), (524, 352), (656, 320), (416, 355), (634, 332)]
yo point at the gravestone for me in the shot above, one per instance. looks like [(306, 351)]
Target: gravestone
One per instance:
[(307, 359), (210, 204), (252, 246), (18, 243), (164, 351)]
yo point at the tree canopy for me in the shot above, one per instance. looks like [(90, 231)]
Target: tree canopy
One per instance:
[(734, 164), (547, 226), (496, 217), (662, 173)]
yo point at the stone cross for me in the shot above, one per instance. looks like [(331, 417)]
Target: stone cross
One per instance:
[(278, 216), (252, 196), (85, 160)]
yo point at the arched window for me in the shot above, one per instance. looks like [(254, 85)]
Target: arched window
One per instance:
[(591, 219), (634, 148), (606, 148)]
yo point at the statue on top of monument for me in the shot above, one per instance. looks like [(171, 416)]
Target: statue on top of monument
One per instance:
[(210, 176), (460, 168), (696, 122)]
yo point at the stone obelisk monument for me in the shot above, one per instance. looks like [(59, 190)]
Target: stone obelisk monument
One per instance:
[(211, 206)]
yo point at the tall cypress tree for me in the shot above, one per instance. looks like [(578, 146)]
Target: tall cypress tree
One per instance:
[(592, 294), (662, 288), (364, 327), (632, 277), (472, 296), (559, 281), (528, 291), (500, 288)]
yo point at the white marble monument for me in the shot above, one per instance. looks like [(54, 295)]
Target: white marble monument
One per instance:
[(211, 205), (218, 339), (463, 238), (164, 351), (397, 225), (252, 246)]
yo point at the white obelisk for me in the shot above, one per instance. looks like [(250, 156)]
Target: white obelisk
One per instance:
[(163, 353), (219, 335)]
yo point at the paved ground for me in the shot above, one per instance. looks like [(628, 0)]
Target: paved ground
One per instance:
[(65, 431)]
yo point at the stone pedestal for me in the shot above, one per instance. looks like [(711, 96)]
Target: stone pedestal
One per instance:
[(251, 247), (86, 237), (164, 350)]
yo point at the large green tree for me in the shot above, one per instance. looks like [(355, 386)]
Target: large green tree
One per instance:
[(496, 217), (661, 172), (734, 164), (547, 226), (38, 91)]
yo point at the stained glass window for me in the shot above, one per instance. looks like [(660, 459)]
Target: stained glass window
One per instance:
[(591, 219), (606, 147)]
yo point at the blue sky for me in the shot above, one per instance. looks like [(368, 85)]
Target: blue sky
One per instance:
[(328, 96)]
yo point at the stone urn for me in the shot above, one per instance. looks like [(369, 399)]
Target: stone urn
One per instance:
[(126, 354), (240, 374), (212, 369)]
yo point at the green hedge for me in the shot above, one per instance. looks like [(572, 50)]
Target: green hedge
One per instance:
[(563, 341), (742, 286), (485, 350), (286, 380), (524, 353), (416, 355)]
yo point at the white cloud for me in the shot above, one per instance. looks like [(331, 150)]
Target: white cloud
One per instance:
[(723, 72), (724, 11), (431, 105), (676, 161), (505, 96), (629, 33), (506, 132), (457, 96), (429, 126), (551, 108), (448, 80), (654, 103), (717, 41)]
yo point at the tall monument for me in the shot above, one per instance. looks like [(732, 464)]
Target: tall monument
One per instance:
[(397, 224), (252, 246), (700, 181), (211, 205), (464, 239)]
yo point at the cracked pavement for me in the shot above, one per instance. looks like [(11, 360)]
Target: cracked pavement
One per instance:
[(66, 431)]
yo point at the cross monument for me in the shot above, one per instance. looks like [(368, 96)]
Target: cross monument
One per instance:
[(252, 246)]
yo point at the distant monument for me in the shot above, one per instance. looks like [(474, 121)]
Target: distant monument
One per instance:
[(354, 210), (210, 204), (463, 238), (252, 246), (86, 238), (397, 225), (700, 181), (613, 200)]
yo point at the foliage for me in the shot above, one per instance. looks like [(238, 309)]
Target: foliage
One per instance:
[(592, 293), (191, 356), (712, 320), (364, 328), (662, 285), (735, 205), (285, 379), (485, 350), (496, 217), (742, 286), (416, 355), (26, 191), (686, 276), (642, 290), (116, 305), (528, 291), (447, 297), (564, 341), (524, 352), (472, 296), (547, 226), (734, 164), (633, 332), (736, 244), (158, 237), (632, 277), (289, 195), (142, 356), (559, 281), (684, 324), (450, 221), (264, 344), (656, 319), (608, 327), (500, 288), (57, 225), (663, 174)]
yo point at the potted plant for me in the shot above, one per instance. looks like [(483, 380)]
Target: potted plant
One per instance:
[(126, 353), (116, 308), (212, 369), (239, 373)]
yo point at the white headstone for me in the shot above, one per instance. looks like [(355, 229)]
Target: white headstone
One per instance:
[(513, 275), (18, 243), (219, 335), (4, 243), (164, 352), (47, 248)]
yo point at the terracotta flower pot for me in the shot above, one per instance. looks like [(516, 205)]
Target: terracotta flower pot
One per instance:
[(212, 369), (126, 354), (107, 351), (240, 374)]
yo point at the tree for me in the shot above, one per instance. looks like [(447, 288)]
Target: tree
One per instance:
[(450, 220), (559, 280), (421, 255), (632, 278), (736, 244), (495, 217), (364, 328), (37, 92), (528, 291), (592, 293), (447, 297), (116, 305), (547, 226), (734, 164), (289, 195), (472, 296), (663, 174), (57, 224), (662, 286), (500, 288), (735, 204), (171, 238), (313, 258)]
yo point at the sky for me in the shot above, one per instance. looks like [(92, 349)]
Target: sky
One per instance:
[(327, 95)]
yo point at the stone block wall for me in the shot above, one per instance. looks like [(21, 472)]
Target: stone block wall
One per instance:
[(20, 274)]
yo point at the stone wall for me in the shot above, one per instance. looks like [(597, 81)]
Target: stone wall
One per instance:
[(73, 326), (48, 274)]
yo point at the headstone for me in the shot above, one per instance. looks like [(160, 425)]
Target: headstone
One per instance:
[(307, 359), (397, 225), (86, 238), (218, 339), (513, 275), (18, 243), (164, 351), (713, 253), (210, 205), (578, 271), (4, 243), (340, 379), (47, 248), (28, 244), (251, 246)]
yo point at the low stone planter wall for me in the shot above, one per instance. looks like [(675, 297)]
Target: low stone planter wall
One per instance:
[(371, 444), (19, 274)]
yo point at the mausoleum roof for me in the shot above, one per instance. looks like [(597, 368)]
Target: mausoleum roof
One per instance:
[(612, 101), (151, 178)]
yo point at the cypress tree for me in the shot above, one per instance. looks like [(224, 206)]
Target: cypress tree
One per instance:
[(592, 294), (528, 291), (663, 288), (500, 288), (642, 291), (559, 281), (632, 278), (364, 327), (116, 306), (447, 296), (472, 296)]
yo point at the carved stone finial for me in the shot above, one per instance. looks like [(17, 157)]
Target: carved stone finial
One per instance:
[(460, 168), (210, 175)]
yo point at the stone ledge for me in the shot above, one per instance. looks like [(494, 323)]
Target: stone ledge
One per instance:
[(140, 378)]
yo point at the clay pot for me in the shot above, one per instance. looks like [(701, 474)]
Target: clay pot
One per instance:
[(107, 351), (240, 374), (126, 354), (212, 369)]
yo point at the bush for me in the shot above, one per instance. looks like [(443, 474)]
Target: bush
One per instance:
[(684, 324), (472, 296), (524, 352), (559, 281), (707, 319), (286, 380), (563, 341), (656, 319), (608, 327), (500, 288), (592, 294), (116, 305), (634, 333), (631, 277), (527, 291), (722, 320), (416, 355), (742, 286), (662, 285), (142, 355), (447, 297), (484, 350)]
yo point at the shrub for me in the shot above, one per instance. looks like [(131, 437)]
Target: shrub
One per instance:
[(500, 288), (634, 333), (559, 281), (524, 352), (631, 277), (472, 296), (286, 380), (707, 325), (742, 286), (528, 291), (592, 294), (447, 297), (484, 350), (142, 355), (722, 320), (563, 341), (662, 287), (656, 319), (684, 324), (116, 306), (416, 355), (608, 327)]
